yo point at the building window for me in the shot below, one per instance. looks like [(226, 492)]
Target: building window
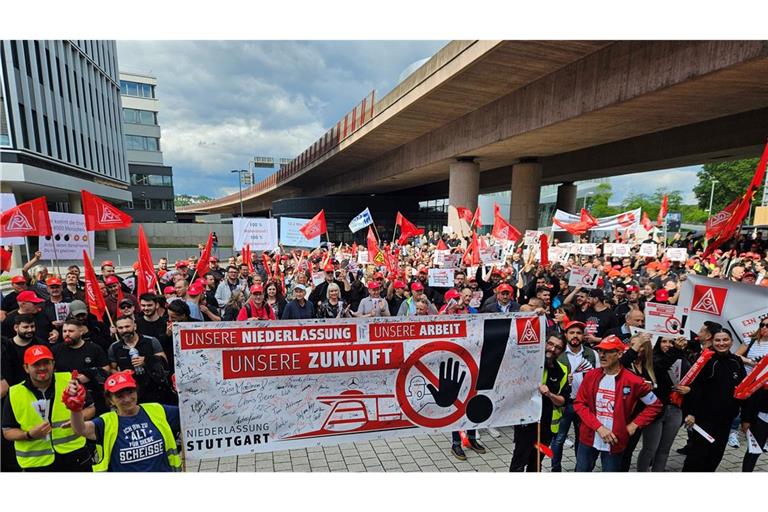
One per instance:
[(139, 143), (136, 89), (152, 180), (134, 116)]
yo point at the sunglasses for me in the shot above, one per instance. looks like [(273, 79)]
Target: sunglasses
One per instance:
[(763, 325), (127, 306)]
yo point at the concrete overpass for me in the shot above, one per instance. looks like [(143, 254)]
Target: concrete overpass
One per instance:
[(495, 115)]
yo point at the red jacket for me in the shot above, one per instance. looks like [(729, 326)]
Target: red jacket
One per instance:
[(629, 389), (250, 311)]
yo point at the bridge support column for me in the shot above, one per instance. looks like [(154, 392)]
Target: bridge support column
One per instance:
[(524, 200), (463, 190), (566, 201)]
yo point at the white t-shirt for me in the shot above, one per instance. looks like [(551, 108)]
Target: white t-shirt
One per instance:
[(579, 366), (605, 402)]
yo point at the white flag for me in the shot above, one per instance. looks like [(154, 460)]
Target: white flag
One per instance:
[(362, 220)]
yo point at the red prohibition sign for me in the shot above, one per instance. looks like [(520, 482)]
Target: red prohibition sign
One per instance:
[(672, 324), (414, 361)]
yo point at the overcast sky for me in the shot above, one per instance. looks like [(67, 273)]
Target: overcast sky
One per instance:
[(223, 102)]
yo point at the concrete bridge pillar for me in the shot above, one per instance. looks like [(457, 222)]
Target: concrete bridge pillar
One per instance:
[(566, 201), (524, 200), (463, 190)]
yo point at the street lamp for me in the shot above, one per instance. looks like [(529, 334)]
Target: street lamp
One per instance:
[(240, 183), (711, 196)]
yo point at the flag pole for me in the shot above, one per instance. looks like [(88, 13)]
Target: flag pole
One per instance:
[(55, 254), (378, 238), (538, 443)]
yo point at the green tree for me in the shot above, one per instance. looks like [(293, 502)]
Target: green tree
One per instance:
[(597, 203), (651, 203), (732, 180)]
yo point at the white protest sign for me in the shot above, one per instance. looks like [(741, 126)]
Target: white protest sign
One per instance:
[(583, 277), (532, 237), (721, 301), (362, 256), (586, 249), (318, 278), (621, 250), (677, 254), (622, 221), (439, 256), (746, 325), (477, 299), (62, 311), (489, 256), (8, 201), (608, 248), (290, 236), (441, 277), (664, 319), (259, 233), (555, 253), (447, 230), (266, 387), (70, 236), (452, 261), (648, 250)]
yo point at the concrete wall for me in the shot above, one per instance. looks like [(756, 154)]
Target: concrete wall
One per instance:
[(160, 235)]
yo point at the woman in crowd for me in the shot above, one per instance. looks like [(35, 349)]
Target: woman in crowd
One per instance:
[(669, 365), (638, 359), (255, 307), (275, 299), (333, 306), (233, 306)]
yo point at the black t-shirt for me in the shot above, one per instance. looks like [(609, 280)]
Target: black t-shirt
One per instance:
[(9, 302), (87, 360), (13, 360), (154, 329), (600, 322), (43, 325)]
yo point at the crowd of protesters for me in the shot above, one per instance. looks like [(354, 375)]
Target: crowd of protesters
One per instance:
[(601, 377)]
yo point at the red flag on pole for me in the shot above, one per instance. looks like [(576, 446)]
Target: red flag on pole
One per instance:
[(398, 219), (544, 250), (464, 213), (27, 219), (646, 222), (146, 279), (472, 254), (202, 264), (503, 229), (315, 227), (100, 215), (720, 219), (662, 210), (475, 218), (95, 299), (5, 259), (407, 229), (375, 254)]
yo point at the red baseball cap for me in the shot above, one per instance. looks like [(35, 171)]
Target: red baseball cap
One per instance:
[(36, 353), (169, 289), (662, 295), (400, 285), (107, 263), (28, 296), (417, 286), (378, 275), (504, 287), (195, 290), (611, 343), (111, 280), (328, 267), (423, 270), (53, 281), (120, 380), (182, 263), (575, 323), (633, 288), (373, 285), (18, 279), (257, 288), (452, 294), (213, 259)]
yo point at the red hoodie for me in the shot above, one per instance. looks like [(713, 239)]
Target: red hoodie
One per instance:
[(629, 389)]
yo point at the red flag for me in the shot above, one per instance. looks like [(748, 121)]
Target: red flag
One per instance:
[(720, 219), (314, 227), (472, 254), (585, 223), (483, 243), (407, 229), (441, 245), (464, 213), (475, 218), (503, 229), (546, 450), (544, 250), (646, 222), (100, 215), (587, 218), (731, 226), (146, 279), (5, 259), (94, 298), (202, 264), (27, 219), (374, 253), (662, 210)]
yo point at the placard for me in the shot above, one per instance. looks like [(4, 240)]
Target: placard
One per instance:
[(621, 250), (489, 256), (262, 387), (318, 278), (290, 236), (362, 256), (586, 249), (438, 258), (62, 310), (745, 326), (532, 237), (648, 250), (447, 230), (440, 277), (584, 277), (452, 261), (664, 319), (68, 230), (677, 254), (259, 233)]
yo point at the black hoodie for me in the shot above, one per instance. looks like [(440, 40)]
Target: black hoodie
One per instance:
[(711, 397)]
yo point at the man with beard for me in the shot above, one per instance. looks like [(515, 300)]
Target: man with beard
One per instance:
[(150, 322), (554, 389), (146, 360), (90, 361), (56, 308), (30, 304), (18, 285), (36, 420), (25, 329)]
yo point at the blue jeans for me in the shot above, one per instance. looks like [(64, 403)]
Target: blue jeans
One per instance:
[(586, 457), (568, 417)]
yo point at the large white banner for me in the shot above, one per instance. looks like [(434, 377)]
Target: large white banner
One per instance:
[(260, 233), (626, 220), (267, 386), (733, 305), (8, 201), (290, 236), (69, 234)]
